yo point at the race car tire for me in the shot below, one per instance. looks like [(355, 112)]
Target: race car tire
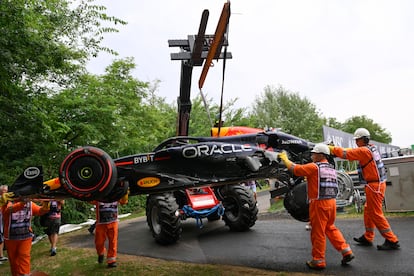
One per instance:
[(88, 173), (295, 202), (240, 208), (163, 218), (117, 192)]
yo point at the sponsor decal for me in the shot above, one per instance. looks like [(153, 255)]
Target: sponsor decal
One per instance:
[(290, 142), (31, 172), (148, 182), (143, 158), (208, 150)]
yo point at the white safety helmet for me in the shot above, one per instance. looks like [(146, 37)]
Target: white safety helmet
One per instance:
[(320, 148), (361, 132)]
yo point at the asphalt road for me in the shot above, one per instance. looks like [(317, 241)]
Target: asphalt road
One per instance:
[(276, 242)]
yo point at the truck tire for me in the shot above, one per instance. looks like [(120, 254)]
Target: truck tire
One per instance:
[(163, 219), (88, 173), (240, 208)]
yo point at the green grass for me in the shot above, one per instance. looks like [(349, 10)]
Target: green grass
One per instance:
[(276, 206)]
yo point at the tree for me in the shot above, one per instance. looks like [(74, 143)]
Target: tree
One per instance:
[(200, 124), (332, 122), (49, 41), (280, 108), (237, 116), (378, 133), (115, 112), (44, 46)]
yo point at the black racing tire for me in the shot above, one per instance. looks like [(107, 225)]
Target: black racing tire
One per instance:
[(296, 202), (88, 173), (163, 218), (117, 192), (240, 207)]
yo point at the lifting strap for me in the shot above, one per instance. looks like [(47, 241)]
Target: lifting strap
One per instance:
[(198, 215)]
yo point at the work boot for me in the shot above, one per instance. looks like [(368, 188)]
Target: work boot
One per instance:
[(100, 259), (363, 241), (388, 245), (314, 265), (347, 258), (110, 265)]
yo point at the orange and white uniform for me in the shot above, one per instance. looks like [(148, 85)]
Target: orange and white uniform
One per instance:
[(322, 191), (18, 234), (373, 175), (107, 227)]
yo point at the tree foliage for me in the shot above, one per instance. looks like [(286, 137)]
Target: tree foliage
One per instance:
[(202, 119), (115, 112), (44, 46), (378, 133), (333, 122), (285, 110), (49, 41)]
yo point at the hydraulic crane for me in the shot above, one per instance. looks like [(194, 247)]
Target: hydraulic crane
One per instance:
[(197, 50)]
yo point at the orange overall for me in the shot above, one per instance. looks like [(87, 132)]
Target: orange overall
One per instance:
[(322, 213), (107, 227), (18, 234), (374, 191)]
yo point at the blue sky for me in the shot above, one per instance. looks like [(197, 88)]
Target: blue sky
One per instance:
[(349, 58)]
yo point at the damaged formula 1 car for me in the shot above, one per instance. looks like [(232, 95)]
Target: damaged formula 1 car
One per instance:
[(174, 167)]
